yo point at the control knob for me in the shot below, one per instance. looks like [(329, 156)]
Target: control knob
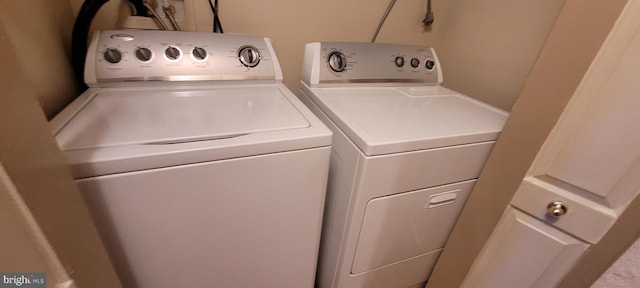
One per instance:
[(556, 209), (399, 61), (415, 62), (199, 53), (337, 61), (172, 53), (143, 54), (429, 64), (249, 56), (112, 55)]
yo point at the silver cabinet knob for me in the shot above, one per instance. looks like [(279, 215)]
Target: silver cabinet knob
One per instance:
[(556, 209)]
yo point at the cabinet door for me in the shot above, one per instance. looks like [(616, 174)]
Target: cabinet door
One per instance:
[(594, 150), (524, 252)]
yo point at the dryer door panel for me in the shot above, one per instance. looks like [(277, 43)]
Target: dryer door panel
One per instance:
[(406, 225)]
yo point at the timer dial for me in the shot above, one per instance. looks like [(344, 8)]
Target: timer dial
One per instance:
[(249, 56), (429, 64), (199, 53), (112, 55), (415, 62), (337, 61), (172, 53), (143, 54)]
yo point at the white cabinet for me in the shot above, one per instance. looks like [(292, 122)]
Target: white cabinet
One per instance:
[(524, 252), (589, 166)]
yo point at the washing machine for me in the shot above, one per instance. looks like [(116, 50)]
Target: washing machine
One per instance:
[(199, 167), (406, 153)]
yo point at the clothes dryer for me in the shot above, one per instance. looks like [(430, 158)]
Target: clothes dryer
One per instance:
[(406, 153), (199, 167)]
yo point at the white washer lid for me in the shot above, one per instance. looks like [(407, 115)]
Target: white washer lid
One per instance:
[(113, 118), (384, 120)]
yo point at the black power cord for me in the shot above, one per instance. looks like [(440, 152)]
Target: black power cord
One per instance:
[(80, 35), (141, 10), (217, 26), (428, 19)]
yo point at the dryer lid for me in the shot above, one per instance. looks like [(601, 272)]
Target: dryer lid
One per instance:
[(147, 117), (385, 120)]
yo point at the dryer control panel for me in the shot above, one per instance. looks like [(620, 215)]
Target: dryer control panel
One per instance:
[(126, 57), (335, 63)]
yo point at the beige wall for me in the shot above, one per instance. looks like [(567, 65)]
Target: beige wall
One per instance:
[(569, 50), (39, 34), (28, 151), (487, 48)]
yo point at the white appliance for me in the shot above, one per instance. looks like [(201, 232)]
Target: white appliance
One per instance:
[(200, 168), (406, 152)]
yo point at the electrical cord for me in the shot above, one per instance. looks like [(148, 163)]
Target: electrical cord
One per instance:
[(80, 35), (428, 19), (213, 11), (217, 18), (384, 17), (138, 7), (217, 26)]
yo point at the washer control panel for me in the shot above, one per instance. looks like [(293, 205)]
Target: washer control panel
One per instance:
[(371, 63), (122, 57)]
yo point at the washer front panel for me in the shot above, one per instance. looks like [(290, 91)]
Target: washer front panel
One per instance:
[(243, 222)]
